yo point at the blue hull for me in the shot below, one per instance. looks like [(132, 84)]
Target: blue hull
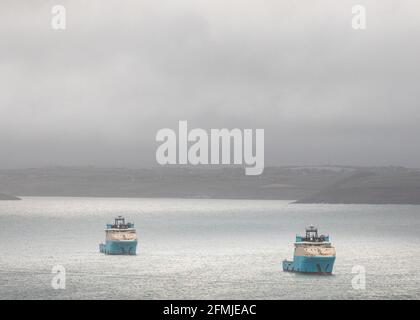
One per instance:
[(118, 247), (315, 265)]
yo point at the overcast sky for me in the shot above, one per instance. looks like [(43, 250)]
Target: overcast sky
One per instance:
[(97, 93)]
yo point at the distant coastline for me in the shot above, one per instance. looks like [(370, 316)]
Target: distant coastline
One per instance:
[(307, 184)]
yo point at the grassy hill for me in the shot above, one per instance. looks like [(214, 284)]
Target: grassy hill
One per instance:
[(372, 187)]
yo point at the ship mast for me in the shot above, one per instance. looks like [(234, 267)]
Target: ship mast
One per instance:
[(311, 233)]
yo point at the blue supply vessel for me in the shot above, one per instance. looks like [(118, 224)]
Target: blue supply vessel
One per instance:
[(313, 254), (120, 238)]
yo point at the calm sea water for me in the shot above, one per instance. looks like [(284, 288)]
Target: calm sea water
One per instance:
[(204, 249)]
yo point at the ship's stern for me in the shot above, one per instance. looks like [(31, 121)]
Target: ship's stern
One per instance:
[(287, 265)]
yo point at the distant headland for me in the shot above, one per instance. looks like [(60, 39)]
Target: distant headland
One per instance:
[(8, 197)]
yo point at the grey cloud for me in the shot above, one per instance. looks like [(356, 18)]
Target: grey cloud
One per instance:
[(98, 92)]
